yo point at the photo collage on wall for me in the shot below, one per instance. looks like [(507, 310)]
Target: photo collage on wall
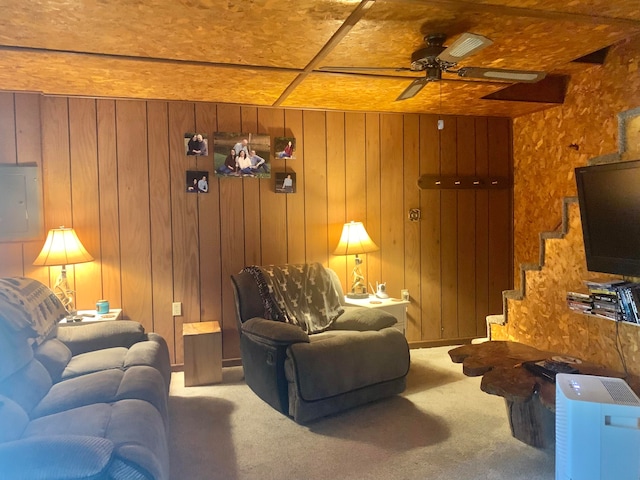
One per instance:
[(239, 155)]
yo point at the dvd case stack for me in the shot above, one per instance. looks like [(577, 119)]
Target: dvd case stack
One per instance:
[(610, 299), (580, 302), (629, 299)]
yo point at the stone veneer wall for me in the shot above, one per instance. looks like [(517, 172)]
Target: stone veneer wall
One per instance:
[(543, 176)]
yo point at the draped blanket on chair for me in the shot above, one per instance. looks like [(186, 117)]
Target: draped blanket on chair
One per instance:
[(303, 295)]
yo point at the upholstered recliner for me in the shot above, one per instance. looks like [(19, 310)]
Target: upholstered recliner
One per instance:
[(358, 357)]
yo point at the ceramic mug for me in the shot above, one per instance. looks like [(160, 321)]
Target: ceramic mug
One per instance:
[(102, 306)]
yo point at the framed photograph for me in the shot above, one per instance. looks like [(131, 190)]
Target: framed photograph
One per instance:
[(285, 147), (285, 182), (196, 144), (197, 181), (241, 155)]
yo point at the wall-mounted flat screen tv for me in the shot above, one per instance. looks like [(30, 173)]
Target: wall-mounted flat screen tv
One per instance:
[(609, 197)]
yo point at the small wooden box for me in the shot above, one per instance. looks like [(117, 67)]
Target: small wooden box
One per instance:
[(202, 353)]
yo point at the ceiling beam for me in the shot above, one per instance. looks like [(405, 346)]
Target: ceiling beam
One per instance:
[(469, 6), (336, 38), (164, 61)]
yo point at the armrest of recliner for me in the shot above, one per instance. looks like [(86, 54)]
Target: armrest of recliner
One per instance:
[(273, 333), (90, 336)]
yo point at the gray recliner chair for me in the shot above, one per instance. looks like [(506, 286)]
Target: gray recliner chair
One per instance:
[(360, 358)]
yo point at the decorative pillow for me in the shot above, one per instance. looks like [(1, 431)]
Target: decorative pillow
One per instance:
[(28, 304), (362, 319)]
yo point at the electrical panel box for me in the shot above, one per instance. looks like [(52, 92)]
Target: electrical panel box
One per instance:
[(21, 216)]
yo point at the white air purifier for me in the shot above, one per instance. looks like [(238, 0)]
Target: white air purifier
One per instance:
[(597, 429)]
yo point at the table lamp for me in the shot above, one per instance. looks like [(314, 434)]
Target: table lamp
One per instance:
[(62, 247), (353, 241)]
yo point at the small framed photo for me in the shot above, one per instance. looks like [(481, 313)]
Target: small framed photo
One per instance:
[(285, 147), (197, 181), (196, 144), (285, 182)]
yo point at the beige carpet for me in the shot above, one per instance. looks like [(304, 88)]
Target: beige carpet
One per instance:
[(441, 427)]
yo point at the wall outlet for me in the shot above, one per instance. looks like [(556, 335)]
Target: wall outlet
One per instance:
[(176, 309)]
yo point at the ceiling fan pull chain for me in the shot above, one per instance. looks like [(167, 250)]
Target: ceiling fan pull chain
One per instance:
[(440, 120)]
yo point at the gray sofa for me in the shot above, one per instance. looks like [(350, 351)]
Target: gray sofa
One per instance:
[(78, 401), (358, 358)]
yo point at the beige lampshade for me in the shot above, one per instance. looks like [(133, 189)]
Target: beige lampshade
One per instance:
[(62, 247), (354, 240)]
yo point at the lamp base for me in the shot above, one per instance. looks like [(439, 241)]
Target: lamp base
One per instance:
[(357, 296)]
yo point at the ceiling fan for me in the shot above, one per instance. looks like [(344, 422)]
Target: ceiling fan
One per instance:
[(435, 59)]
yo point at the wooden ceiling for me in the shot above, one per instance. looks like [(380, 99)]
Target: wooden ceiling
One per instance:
[(268, 52)]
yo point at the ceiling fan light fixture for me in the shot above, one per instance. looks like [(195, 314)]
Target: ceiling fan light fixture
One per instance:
[(465, 45)]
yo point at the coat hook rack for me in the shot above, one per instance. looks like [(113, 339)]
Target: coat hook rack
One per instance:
[(440, 182)]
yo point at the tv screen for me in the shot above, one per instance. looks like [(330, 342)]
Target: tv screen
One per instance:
[(609, 197)]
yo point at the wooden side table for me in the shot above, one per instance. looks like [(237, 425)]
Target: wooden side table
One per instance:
[(94, 316), (394, 306), (202, 353)]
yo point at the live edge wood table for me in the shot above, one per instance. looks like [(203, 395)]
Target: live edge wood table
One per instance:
[(530, 399)]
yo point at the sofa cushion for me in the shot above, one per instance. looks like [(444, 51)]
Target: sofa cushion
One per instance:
[(362, 318), (91, 420), (134, 427), (29, 304), (58, 456), (137, 431), (54, 356), (90, 362), (28, 386), (13, 419), (94, 387), (105, 386), (91, 336), (154, 353)]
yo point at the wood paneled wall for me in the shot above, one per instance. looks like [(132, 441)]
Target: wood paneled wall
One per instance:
[(115, 171)]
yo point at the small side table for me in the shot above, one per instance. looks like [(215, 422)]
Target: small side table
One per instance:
[(394, 306), (202, 353), (94, 316)]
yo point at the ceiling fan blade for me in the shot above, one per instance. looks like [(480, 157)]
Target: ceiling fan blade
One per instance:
[(467, 44), (363, 69), (525, 76), (413, 89)]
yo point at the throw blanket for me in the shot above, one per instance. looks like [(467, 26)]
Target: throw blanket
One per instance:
[(28, 304), (303, 295)]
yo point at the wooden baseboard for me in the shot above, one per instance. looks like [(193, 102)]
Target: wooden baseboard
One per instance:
[(226, 362), (441, 343)]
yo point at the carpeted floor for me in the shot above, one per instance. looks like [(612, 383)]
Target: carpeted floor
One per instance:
[(441, 427)]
